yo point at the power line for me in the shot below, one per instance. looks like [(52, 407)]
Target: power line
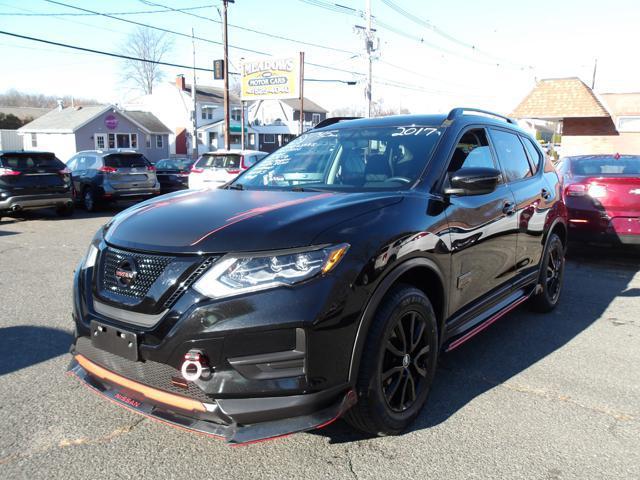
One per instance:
[(165, 30), (137, 59), (62, 14), (426, 24), (247, 29)]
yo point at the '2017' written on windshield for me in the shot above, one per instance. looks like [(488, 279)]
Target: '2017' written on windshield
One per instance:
[(406, 131)]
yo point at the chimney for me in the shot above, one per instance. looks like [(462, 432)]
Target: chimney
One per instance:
[(180, 82), (59, 101)]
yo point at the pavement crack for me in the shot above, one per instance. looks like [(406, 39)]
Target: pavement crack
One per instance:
[(350, 463)]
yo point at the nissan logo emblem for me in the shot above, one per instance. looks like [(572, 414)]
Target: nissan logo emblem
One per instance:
[(126, 272)]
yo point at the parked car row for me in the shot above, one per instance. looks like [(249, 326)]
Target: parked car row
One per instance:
[(30, 180)]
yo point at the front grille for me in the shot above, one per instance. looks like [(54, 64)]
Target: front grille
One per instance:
[(149, 268), (152, 374)]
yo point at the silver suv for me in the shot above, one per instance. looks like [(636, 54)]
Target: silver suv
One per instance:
[(109, 175)]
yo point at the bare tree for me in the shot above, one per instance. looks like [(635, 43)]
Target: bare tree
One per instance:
[(147, 44), (380, 109)]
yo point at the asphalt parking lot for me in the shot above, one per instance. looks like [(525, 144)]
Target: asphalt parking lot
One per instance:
[(535, 396)]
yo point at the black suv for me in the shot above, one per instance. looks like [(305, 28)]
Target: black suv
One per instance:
[(325, 280), (34, 180), (101, 176)]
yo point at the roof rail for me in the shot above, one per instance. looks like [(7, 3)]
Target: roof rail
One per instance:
[(456, 112), (331, 120)]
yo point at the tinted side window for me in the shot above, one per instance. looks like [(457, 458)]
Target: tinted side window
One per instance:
[(71, 164), (511, 155), (472, 150), (534, 154)]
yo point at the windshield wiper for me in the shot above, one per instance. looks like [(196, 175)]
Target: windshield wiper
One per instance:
[(298, 188), (235, 186)]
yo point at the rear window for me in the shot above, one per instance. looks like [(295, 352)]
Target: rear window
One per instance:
[(218, 161), (23, 161), (172, 164), (603, 166), (131, 160)]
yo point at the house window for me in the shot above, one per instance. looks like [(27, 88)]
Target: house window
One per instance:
[(123, 140), (629, 124), (236, 114), (252, 139), (269, 138), (204, 115), (235, 139), (134, 140), (159, 142), (100, 142), (34, 139), (112, 140), (148, 141), (315, 118), (213, 139)]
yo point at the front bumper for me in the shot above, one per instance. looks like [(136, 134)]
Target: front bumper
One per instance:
[(218, 418), (23, 202)]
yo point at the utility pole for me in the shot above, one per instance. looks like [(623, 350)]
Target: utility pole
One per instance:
[(593, 80), (194, 148), (369, 40), (225, 41), (301, 80), (368, 34)]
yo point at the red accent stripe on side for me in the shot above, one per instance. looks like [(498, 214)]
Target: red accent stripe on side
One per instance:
[(486, 324)]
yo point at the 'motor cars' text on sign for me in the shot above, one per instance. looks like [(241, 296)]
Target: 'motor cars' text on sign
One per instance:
[(271, 78)]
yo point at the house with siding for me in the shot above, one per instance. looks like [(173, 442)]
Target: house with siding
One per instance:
[(590, 123), (276, 122), (66, 131)]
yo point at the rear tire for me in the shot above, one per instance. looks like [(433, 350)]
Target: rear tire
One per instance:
[(398, 363), (551, 277), (89, 200)]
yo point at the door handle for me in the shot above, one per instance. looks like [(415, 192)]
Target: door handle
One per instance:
[(509, 208), (546, 194)]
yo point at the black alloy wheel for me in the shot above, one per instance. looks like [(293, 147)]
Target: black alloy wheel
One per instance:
[(551, 276), (89, 200), (397, 364), (404, 364)]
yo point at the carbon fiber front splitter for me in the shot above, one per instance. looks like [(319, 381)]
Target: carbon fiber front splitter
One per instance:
[(213, 421)]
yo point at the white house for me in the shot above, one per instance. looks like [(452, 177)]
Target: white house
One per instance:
[(172, 103), (276, 122)]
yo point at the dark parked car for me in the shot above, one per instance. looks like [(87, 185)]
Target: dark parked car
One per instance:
[(325, 280), (34, 180), (110, 175), (602, 194), (173, 174)]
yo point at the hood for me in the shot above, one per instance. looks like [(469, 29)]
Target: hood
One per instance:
[(218, 221)]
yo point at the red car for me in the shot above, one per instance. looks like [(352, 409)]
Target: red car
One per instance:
[(602, 194)]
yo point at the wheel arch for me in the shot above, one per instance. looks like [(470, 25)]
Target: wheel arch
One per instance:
[(421, 273)]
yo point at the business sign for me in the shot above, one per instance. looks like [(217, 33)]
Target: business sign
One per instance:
[(271, 78), (111, 121)]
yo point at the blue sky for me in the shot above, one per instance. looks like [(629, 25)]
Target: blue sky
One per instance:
[(515, 42)]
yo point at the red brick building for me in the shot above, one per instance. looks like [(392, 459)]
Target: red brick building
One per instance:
[(590, 123)]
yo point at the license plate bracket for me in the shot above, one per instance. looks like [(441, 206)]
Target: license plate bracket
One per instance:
[(114, 340)]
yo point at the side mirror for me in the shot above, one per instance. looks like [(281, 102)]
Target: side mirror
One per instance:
[(473, 181)]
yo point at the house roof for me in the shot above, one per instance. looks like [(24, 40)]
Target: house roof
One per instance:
[(560, 98), (24, 112), (147, 120), (308, 106), (620, 104), (70, 119), (205, 93), (67, 120)]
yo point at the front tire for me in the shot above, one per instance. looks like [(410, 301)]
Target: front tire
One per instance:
[(551, 277), (398, 363)]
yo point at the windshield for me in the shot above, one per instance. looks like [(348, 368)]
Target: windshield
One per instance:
[(613, 165), (174, 164), (126, 160), (28, 161), (219, 161), (347, 159)]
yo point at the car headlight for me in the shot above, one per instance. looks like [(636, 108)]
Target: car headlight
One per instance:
[(239, 274), (92, 253)]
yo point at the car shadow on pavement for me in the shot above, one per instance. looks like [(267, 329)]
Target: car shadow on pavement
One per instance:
[(25, 345), (593, 279)]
